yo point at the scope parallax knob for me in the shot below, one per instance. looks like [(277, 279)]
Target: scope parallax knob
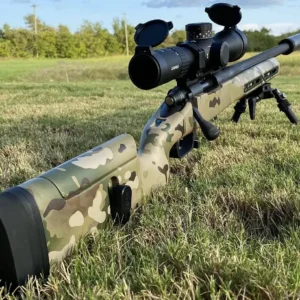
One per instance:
[(219, 54), (198, 31)]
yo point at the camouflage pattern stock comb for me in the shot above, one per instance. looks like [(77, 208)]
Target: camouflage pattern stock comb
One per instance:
[(42, 219)]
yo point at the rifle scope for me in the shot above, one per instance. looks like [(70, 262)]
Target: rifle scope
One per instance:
[(199, 54)]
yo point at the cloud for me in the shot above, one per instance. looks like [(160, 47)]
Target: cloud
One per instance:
[(195, 3), (21, 1), (276, 28), (30, 1)]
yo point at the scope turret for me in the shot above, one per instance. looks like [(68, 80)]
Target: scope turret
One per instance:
[(198, 31)]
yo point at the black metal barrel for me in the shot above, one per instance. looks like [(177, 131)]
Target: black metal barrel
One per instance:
[(285, 47)]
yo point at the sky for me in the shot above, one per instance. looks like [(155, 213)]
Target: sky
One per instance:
[(278, 15)]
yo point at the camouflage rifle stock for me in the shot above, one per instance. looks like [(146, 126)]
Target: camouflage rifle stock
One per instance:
[(42, 219)]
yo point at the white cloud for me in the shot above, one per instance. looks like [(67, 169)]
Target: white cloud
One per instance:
[(276, 28), (194, 3), (29, 1), (20, 1)]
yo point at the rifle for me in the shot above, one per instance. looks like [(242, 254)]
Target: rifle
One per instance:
[(42, 219)]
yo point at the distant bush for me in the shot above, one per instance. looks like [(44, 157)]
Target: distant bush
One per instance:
[(92, 40)]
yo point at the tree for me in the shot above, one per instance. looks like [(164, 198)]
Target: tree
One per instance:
[(5, 48), (46, 43), (29, 21), (94, 38), (119, 33), (2, 34), (65, 43), (260, 40), (285, 35), (21, 41), (112, 45), (179, 36), (80, 45)]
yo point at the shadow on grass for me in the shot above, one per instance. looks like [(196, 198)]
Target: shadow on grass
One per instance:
[(267, 220), (32, 146), (55, 140)]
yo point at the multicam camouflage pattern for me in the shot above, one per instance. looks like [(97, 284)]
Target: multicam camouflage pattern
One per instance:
[(159, 136), (73, 198), (212, 104)]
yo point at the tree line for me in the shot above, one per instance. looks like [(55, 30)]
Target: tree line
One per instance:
[(93, 40)]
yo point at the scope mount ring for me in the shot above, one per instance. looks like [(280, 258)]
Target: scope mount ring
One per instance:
[(224, 14)]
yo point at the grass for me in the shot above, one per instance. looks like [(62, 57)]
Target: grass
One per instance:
[(227, 225), (106, 68), (52, 70), (40, 69)]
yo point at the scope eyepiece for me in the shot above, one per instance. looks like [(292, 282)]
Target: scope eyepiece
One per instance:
[(150, 68), (144, 71)]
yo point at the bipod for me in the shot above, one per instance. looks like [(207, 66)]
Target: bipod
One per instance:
[(264, 92)]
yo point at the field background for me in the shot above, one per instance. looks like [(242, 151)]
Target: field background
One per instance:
[(227, 225)]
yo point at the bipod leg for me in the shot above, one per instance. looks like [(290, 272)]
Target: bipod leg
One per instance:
[(285, 106), (240, 108), (252, 106), (265, 92)]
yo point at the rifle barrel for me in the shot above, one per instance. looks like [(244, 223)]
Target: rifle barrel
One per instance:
[(286, 46)]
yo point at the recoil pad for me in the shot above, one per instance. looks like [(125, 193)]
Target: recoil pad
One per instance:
[(23, 246)]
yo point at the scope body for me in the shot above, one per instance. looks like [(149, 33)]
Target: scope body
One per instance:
[(199, 54)]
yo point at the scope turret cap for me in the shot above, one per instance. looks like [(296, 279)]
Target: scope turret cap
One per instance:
[(224, 14), (152, 33), (196, 31)]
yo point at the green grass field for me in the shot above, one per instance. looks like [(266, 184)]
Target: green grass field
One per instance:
[(227, 225)]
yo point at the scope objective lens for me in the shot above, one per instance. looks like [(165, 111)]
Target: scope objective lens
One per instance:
[(149, 70)]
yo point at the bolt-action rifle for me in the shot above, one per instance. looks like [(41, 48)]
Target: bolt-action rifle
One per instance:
[(42, 219)]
